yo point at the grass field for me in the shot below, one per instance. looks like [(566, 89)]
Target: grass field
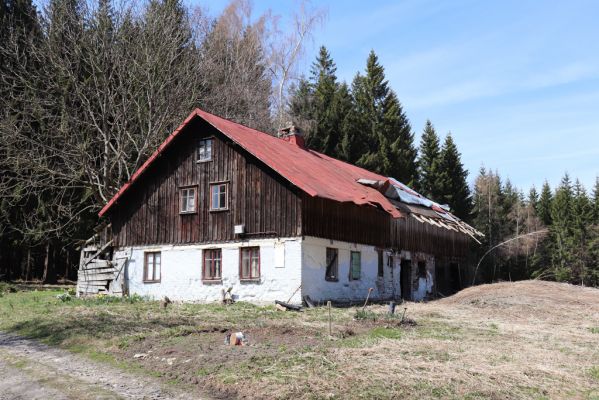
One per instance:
[(528, 339)]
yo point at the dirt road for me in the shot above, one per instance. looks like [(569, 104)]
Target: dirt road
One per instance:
[(30, 370)]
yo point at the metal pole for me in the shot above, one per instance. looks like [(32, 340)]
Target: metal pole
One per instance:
[(330, 323)]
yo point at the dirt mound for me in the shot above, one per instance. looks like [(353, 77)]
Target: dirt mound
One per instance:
[(531, 293)]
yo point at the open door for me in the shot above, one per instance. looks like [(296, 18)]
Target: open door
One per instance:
[(406, 279)]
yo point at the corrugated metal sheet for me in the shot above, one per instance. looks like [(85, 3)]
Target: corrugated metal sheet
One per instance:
[(424, 210)]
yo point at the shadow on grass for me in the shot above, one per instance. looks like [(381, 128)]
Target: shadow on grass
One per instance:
[(57, 331)]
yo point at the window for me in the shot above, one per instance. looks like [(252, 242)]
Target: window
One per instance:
[(218, 196), (380, 264), (211, 269), (249, 268), (205, 150), (332, 265), (355, 265), (188, 200), (152, 267)]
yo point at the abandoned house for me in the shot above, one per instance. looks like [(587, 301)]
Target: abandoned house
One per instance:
[(219, 205)]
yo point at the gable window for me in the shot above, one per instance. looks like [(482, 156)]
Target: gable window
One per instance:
[(355, 265), (218, 196), (332, 265), (152, 262), (249, 266), (205, 150), (212, 266), (188, 200)]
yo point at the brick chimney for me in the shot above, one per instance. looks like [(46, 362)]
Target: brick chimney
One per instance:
[(292, 134)]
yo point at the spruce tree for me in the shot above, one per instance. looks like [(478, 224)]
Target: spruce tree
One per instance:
[(533, 198), (429, 163), (321, 106), (582, 215), (595, 203), (381, 126), (509, 208), (592, 272), (561, 230), (455, 190), (544, 205), (342, 110), (325, 134)]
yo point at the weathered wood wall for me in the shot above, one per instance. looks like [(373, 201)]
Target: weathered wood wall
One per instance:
[(409, 234), (149, 214), (362, 224), (345, 221)]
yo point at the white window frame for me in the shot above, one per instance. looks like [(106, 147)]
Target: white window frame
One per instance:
[(205, 147), (185, 195), (220, 196), (152, 267)]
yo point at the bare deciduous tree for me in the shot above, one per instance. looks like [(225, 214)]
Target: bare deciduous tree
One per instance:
[(90, 89), (286, 52)]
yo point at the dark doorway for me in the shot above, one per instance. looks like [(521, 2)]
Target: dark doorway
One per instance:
[(406, 279), (441, 279), (455, 281)]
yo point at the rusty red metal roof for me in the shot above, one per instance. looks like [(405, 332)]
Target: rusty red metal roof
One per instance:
[(314, 173)]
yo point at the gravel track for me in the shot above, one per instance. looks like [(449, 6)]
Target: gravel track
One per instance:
[(31, 370)]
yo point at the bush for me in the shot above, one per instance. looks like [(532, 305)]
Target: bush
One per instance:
[(364, 315), (64, 297), (7, 288)]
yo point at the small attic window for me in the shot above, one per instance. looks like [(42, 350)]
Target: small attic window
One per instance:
[(205, 150)]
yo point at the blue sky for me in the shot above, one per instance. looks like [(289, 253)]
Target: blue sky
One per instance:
[(516, 82)]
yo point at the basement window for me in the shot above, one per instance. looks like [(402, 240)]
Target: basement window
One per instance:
[(188, 200), (205, 150), (152, 263), (212, 265), (218, 197), (249, 265), (355, 265), (331, 273)]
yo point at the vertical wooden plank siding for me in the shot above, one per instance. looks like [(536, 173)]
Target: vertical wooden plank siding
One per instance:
[(258, 198), (363, 224)]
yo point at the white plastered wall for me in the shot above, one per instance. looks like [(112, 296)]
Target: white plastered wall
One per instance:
[(387, 287), (285, 264), (319, 289), (181, 272)]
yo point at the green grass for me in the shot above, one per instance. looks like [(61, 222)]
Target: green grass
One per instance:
[(41, 315), (433, 329), (385, 333)]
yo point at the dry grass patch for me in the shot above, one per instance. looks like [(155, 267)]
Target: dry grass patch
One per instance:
[(524, 340)]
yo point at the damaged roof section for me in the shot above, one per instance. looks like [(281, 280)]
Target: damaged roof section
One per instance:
[(414, 205)]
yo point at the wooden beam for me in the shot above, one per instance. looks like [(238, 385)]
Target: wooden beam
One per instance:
[(98, 252)]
